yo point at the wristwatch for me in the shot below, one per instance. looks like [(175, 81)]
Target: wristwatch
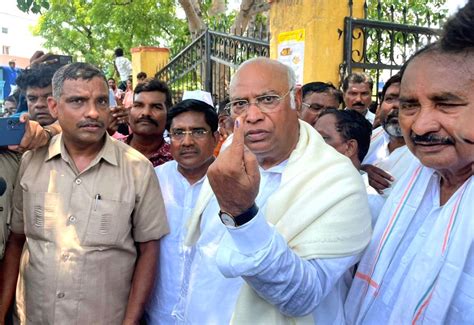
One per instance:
[(235, 221)]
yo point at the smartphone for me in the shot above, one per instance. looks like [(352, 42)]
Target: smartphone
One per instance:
[(11, 131), (57, 61)]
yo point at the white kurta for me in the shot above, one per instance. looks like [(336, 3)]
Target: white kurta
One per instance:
[(210, 297), (376, 201), (180, 198), (395, 163), (370, 117), (419, 266)]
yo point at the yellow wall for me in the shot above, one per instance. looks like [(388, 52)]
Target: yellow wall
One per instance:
[(323, 22), (148, 59)]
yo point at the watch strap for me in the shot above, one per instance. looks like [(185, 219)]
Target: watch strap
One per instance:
[(246, 216)]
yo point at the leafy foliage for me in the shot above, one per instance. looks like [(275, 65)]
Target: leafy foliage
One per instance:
[(35, 6), (90, 30), (429, 13), (395, 47)]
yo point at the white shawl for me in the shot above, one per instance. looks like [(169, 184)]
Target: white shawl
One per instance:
[(320, 208)]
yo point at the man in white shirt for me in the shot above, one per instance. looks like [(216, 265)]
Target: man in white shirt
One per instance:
[(349, 133), (357, 94), (288, 219), (192, 125), (419, 267), (388, 157), (123, 66)]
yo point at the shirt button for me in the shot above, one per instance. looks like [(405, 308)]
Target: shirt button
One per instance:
[(78, 181), (60, 295), (72, 219)]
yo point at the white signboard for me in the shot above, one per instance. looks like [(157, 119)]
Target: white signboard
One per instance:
[(291, 51)]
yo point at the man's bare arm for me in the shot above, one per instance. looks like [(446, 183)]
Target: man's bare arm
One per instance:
[(143, 281), (9, 272)]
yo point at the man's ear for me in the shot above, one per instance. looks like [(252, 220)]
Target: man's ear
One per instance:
[(298, 99), (53, 107), (216, 136), (352, 150)]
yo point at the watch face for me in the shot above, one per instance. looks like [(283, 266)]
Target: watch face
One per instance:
[(227, 219)]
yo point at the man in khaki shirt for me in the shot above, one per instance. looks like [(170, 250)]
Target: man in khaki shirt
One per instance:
[(9, 163), (83, 203)]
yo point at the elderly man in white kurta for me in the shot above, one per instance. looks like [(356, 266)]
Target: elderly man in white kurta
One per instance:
[(293, 215), (419, 266)]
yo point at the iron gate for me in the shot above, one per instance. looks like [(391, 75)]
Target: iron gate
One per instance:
[(209, 61), (381, 47)]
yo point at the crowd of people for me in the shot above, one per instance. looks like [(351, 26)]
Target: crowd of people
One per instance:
[(282, 205)]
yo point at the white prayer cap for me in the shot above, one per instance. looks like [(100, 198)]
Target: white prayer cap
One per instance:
[(201, 95)]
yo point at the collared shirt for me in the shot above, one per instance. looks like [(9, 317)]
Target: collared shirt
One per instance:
[(9, 164), (395, 163), (81, 230), (369, 116), (180, 198), (320, 284), (159, 157)]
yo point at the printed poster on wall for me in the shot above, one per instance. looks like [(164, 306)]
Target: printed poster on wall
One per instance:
[(291, 51)]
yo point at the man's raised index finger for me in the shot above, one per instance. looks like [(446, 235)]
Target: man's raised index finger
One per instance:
[(237, 146)]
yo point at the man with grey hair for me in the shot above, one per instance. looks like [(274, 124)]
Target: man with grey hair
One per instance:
[(357, 93), (75, 233), (281, 220)]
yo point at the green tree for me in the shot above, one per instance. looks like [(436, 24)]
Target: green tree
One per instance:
[(90, 30), (428, 13), (395, 47)]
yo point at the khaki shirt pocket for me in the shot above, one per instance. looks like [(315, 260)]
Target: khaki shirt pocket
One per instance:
[(109, 220), (41, 214)]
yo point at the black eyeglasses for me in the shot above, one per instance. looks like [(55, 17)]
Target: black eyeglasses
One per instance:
[(179, 135)]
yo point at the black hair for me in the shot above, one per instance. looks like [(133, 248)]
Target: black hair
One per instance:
[(118, 52), (141, 75), (322, 87), (458, 31), (10, 98), (222, 107), (357, 78), (395, 79), (155, 85), (40, 77), (352, 125), (75, 71), (193, 105)]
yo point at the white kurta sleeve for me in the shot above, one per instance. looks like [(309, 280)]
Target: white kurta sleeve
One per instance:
[(259, 254)]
